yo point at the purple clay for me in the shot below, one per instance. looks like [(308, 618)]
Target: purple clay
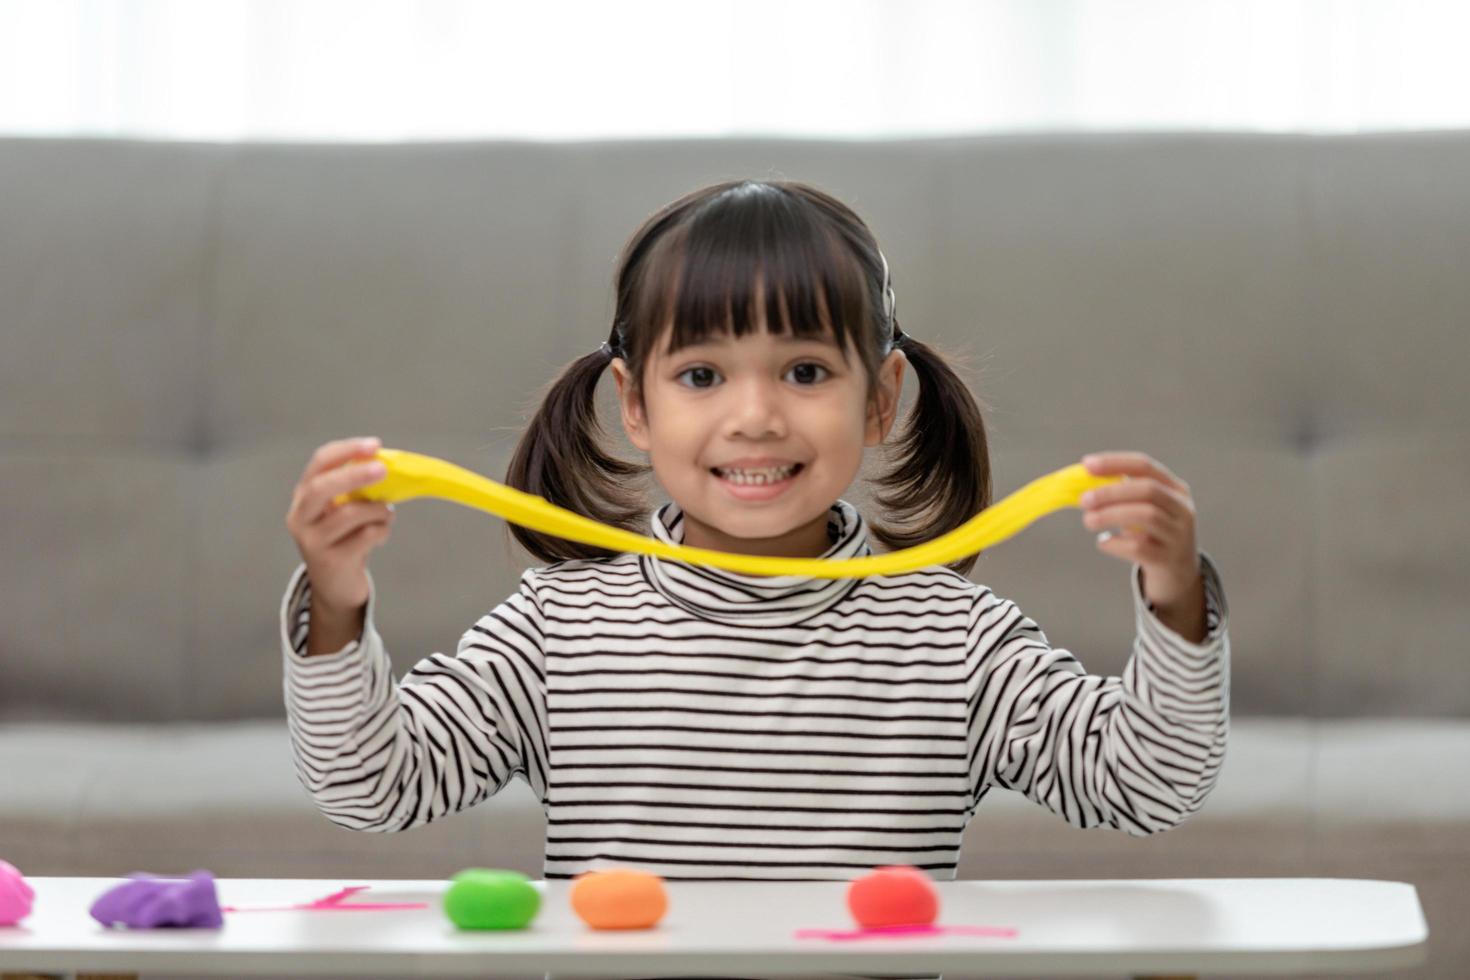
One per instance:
[(147, 901)]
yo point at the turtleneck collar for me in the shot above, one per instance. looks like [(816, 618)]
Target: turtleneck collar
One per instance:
[(738, 599)]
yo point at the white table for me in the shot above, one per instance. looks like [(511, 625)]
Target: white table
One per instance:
[(1079, 928)]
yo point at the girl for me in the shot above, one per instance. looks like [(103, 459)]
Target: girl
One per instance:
[(704, 724)]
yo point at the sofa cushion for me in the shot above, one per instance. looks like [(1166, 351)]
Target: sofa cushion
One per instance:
[(109, 799)]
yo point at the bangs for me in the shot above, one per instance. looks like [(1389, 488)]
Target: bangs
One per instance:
[(749, 251)]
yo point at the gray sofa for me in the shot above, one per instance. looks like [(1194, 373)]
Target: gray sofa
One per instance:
[(1282, 320)]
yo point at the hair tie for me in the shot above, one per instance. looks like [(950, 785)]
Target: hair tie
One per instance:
[(607, 349), (890, 304)]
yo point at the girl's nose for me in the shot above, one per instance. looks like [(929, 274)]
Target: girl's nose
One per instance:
[(758, 406)]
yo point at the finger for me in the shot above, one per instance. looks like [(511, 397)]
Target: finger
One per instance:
[(333, 454), (365, 538), (1146, 517), (345, 520), (381, 532), (327, 457), (1147, 491), (321, 494), (1131, 546), (351, 550), (1132, 464)]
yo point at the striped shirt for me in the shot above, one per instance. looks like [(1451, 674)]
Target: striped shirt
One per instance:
[(705, 724)]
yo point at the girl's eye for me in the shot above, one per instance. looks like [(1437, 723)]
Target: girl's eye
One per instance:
[(808, 364), (705, 371), (692, 370)]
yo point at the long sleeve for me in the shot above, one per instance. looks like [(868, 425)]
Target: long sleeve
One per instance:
[(380, 755), (1138, 753)]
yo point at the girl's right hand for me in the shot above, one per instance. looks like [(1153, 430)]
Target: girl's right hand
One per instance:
[(334, 539)]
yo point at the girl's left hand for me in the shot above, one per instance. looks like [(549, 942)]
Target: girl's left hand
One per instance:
[(1156, 513)]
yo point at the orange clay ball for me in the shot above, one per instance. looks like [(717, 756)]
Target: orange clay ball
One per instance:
[(619, 898), (893, 895)]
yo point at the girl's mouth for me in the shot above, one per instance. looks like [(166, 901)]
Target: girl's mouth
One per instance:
[(758, 486)]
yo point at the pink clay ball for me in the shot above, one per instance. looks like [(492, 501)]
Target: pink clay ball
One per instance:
[(893, 895), (16, 896)]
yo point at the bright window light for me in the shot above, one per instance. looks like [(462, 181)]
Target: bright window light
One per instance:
[(552, 70)]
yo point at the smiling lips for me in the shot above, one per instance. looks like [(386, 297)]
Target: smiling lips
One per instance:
[(753, 473), (751, 463), (760, 485)]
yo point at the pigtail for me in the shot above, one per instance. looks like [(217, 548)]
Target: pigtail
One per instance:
[(561, 457), (942, 477)]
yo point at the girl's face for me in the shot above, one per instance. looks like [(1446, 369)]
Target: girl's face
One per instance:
[(759, 396)]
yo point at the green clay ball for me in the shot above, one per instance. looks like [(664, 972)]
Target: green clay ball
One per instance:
[(487, 898)]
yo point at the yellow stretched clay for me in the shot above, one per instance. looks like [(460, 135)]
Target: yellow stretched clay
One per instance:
[(411, 475)]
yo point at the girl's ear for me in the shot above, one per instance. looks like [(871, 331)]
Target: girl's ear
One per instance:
[(635, 424), (884, 409)]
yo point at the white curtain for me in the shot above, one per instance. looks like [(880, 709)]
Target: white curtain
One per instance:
[(553, 69)]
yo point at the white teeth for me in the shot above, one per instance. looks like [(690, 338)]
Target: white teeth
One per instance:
[(757, 476)]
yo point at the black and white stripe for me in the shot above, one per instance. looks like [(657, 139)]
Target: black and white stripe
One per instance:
[(704, 724)]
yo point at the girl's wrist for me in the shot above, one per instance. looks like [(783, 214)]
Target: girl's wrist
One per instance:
[(1185, 613), (330, 630)]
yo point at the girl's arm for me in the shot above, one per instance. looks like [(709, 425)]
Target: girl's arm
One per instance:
[(380, 755), (1138, 753)]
